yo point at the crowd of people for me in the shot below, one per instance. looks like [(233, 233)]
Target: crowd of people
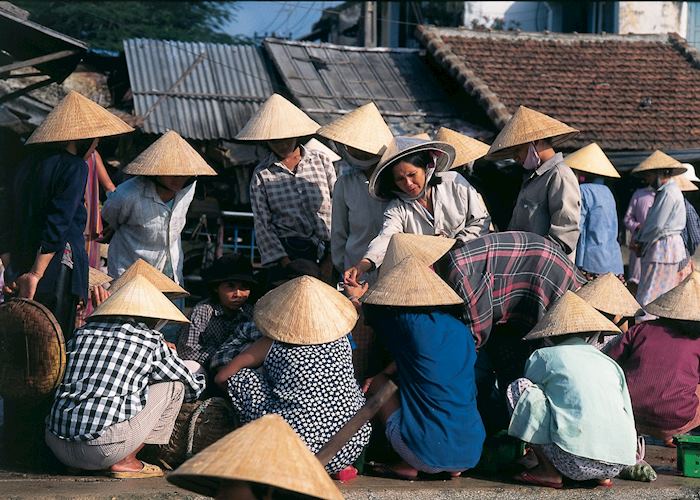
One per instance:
[(385, 266)]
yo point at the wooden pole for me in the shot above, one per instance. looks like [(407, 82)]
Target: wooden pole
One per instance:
[(345, 434)]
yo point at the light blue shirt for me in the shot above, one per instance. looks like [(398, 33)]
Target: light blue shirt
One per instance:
[(146, 227), (580, 403), (597, 250)]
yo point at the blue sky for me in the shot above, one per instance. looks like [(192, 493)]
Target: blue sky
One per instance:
[(279, 17)]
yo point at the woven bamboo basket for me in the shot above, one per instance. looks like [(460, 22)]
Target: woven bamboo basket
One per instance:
[(32, 350), (198, 425)]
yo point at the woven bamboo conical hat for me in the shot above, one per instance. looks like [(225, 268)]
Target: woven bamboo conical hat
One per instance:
[(305, 311), (680, 302), (607, 294), (160, 280), (467, 149), (363, 129), (425, 248), (169, 155), (277, 118), (592, 160), (266, 451), (684, 184), (97, 278), (571, 314), (411, 283), (77, 117), (401, 147), (316, 145), (139, 297), (690, 172), (659, 160), (528, 125)]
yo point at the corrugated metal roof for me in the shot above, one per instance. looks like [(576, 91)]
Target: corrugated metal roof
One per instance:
[(328, 80), (219, 89)]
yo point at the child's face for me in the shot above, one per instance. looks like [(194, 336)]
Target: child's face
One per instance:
[(233, 294)]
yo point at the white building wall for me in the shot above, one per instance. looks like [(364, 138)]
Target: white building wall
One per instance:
[(653, 17), (526, 16)]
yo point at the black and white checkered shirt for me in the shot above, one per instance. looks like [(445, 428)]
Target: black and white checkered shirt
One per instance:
[(291, 204), (110, 364), (210, 327)]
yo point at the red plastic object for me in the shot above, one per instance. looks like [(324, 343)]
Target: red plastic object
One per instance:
[(346, 474)]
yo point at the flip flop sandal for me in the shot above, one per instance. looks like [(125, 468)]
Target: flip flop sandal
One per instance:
[(527, 478), (383, 470), (148, 470)]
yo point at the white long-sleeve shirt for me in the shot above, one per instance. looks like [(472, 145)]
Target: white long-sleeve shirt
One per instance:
[(458, 212), (145, 226)]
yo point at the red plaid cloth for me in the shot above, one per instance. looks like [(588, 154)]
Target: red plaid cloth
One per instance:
[(509, 277)]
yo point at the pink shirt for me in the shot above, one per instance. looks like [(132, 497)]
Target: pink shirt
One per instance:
[(639, 206)]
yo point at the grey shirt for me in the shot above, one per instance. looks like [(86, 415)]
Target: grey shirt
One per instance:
[(357, 219), (458, 210), (549, 204)]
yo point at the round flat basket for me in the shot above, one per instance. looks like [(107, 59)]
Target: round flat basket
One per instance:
[(32, 350), (198, 425)]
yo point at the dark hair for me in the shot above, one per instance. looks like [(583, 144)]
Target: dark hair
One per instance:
[(687, 328), (387, 186)]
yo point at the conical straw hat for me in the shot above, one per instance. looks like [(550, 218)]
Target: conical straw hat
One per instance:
[(411, 283), (680, 302), (139, 297), (266, 451), (97, 278), (570, 314), (77, 117), (426, 248), (277, 118), (528, 125), (690, 172), (316, 145), (684, 184), (169, 155), (592, 160), (659, 160), (423, 135), (607, 294), (467, 149), (305, 311), (400, 147), (159, 280), (363, 129)]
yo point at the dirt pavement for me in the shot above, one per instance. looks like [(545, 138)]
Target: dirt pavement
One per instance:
[(668, 486)]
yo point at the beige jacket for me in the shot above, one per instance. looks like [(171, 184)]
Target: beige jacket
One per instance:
[(549, 204)]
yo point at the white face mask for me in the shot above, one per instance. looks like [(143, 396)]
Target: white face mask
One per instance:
[(356, 162), (532, 161)]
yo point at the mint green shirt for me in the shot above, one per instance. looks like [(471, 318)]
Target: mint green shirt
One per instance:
[(580, 403)]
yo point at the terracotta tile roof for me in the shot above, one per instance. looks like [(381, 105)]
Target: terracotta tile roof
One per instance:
[(628, 93)]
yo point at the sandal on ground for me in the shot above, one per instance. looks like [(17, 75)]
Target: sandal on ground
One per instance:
[(383, 470), (148, 470), (527, 478)]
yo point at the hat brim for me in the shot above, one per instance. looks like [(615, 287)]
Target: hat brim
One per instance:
[(674, 171), (245, 278), (443, 163)]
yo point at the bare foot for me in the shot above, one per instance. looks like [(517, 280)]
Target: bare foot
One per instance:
[(129, 464), (607, 483), (668, 443), (545, 474), (455, 474), (404, 470), (529, 460)]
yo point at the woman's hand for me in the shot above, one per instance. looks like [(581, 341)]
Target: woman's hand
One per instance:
[(352, 275), (221, 378), (367, 384), (98, 295), (106, 235), (355, 293), (27, 284)]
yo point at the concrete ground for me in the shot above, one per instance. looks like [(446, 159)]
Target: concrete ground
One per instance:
[(668, 486)]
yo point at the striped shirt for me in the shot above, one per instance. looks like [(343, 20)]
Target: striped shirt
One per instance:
[(146, 227), (291, 204), (110, 365), (509, 277)]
